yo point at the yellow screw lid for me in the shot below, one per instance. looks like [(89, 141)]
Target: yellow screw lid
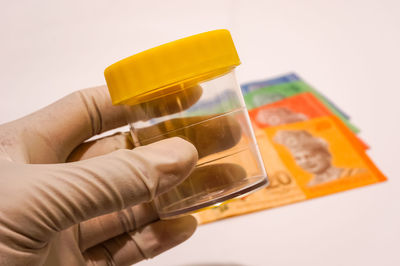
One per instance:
[(190, 59)]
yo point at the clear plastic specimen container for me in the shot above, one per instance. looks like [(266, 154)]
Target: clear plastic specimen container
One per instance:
[(187, 88)]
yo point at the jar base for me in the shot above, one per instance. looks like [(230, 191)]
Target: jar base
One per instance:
[(213, 198)]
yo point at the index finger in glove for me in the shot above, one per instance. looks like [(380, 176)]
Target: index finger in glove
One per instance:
[(54, 131)]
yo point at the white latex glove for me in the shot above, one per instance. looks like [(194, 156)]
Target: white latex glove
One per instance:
[(94, 211)]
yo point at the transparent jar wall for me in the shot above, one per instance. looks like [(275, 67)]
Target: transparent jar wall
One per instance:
[(212, 116)]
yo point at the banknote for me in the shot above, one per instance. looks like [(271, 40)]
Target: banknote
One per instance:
[(278, 92), (251, 86), (300, 107), (304, 160), (255, 85)]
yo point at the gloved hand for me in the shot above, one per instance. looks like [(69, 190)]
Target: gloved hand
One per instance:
[(95, 210)]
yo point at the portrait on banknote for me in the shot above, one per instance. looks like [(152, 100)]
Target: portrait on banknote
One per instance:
[(279, 116), (311, 154)]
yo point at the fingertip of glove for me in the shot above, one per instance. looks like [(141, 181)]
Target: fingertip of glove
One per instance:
[(189, 224), (182, 145), (174, 232), (182, 151), (192, 151), (164, 164), (186, 225)]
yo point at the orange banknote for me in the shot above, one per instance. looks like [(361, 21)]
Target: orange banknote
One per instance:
[(304, 160), (300, 107)]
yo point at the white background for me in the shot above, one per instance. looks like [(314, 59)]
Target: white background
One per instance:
[(347, 49)]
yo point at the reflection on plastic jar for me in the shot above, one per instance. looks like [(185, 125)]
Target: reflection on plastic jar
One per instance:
[(187, 88)]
